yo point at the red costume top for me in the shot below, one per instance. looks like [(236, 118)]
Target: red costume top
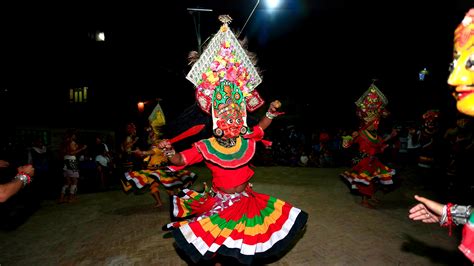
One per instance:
[(368, 144), (229, 166)]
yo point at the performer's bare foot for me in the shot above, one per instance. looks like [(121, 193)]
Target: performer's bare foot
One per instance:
[(157, 205), (72, 199), (374, 200), (62, 199), (366, 203)]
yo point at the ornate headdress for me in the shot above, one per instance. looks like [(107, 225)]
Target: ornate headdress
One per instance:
[(464, 32), (371, 105), (157, 119), (225, 80)]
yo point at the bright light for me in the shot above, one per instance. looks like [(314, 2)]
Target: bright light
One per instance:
[(141, 106), (101, 36), (273, 3)]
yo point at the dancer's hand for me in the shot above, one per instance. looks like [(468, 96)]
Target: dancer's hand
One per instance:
[(273, 108), (27, 169), (165, 145)]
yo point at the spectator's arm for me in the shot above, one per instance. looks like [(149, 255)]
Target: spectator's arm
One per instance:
[(9, 189)]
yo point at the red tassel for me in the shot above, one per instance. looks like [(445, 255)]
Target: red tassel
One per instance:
[(449, 222)]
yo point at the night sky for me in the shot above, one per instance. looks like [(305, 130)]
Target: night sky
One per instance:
[(332, 49)]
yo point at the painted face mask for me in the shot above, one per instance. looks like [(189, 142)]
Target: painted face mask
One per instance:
[(228, 111), (131, 129), (431, 121), (375, 124), (462, 67)]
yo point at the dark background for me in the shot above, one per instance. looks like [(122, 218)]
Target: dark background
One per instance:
[(317, 57)]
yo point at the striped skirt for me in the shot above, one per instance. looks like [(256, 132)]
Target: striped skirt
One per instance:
[(140, 181), (244, 225)]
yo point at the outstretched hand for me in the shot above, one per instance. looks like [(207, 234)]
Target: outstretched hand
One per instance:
[(165, 145), (427, 211)]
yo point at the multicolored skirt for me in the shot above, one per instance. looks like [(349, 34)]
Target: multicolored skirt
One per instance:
[(368, 169), (244, 225), (140, 181)]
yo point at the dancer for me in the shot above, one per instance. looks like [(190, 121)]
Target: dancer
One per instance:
[(128, 146), (368, 169), (462, 78), (429, 139), (71, 167), (154, 163), (229, 218)]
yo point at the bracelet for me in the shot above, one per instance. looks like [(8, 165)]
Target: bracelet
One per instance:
[(444, 216), (170, 153), (23, 177), (460, 214), (270, 115)]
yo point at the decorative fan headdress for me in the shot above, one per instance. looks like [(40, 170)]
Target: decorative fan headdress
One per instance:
[(225, 78), (371, 105), (157, 119)]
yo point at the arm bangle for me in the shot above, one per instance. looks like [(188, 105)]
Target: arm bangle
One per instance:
[(24, 178), (270, 115), (170, 153)]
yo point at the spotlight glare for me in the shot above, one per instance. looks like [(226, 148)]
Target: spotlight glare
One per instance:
[(101, 36), (273, 3)]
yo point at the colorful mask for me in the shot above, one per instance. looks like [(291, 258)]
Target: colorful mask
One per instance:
[(228, 111), (131, 129), (225, 81), (431, 121), (462, 67)]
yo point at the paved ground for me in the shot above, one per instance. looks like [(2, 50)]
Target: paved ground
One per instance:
[(112, 228)]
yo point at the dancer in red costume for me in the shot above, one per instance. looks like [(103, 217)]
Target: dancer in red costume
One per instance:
[(368, 171), (229, 218), (462, 78)]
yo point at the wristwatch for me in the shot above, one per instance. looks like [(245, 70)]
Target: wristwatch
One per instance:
[(23, 178)]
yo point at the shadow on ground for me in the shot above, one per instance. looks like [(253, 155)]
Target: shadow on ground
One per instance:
[(435, 254)]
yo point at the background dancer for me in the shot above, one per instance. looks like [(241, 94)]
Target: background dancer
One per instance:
[(154, 171), (368, 171)]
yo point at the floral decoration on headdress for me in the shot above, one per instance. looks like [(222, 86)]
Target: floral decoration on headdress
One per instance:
[(224, 60), (371, 104)]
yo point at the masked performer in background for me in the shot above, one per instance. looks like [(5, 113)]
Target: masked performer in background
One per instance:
[(429, 139), (154, 170), (368, 171), (229, 218)]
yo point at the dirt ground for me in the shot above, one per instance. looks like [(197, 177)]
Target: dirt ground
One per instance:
[(113, 228)]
